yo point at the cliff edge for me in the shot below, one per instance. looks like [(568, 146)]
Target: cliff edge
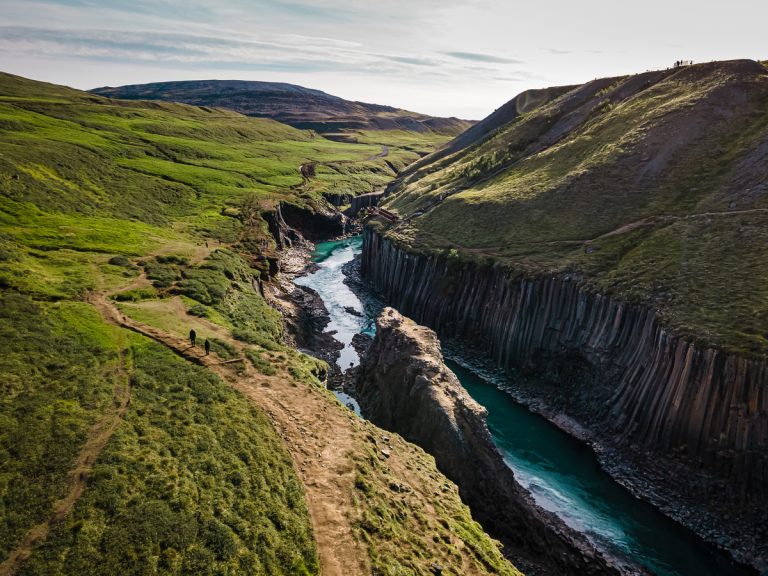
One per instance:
[(404, 386)]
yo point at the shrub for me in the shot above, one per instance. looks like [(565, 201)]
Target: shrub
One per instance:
[(119, 261), (223, 349), (198, 310), (262, 365), (180, 260), (136, 295), (253, 337), (162, 275)]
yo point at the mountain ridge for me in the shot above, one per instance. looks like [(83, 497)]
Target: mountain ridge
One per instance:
[(298, 106)]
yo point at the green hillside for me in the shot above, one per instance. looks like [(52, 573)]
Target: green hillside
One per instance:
[(122, 455), (650, 187), (290, 104), (71, 162), (84, 182)]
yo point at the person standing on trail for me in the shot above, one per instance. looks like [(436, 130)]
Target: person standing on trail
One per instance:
[(192, 336), (207, 347)]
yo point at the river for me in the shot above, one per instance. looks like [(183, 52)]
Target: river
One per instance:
[(562, 474), (328, 282)]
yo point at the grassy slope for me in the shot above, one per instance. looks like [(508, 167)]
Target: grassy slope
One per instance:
[(681, 152), (95, 193), (195, 480), (58, 370)]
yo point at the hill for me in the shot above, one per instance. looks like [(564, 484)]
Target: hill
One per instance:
[(651, 188), (123, 448), (290, 104)]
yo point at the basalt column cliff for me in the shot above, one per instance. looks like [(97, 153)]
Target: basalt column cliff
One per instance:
[(636, 385), (405, 387), (606, 244), (649, 387)]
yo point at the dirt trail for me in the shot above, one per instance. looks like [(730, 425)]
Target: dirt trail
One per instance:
[(320, 438), (325, 440), (98, 437), (665, 218)]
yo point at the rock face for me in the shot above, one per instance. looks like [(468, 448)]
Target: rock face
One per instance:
[(405, 387), (638, 386), (315, 224), (363, 201)]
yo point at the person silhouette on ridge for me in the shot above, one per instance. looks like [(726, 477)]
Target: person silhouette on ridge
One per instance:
[(207, 347), (192, 336)]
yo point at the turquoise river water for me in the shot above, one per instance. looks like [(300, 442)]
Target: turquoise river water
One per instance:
[(562, 474)]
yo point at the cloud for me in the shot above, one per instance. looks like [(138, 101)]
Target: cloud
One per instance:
[(174, 48), (477, 57), (319, 41), (412, 60), (510, 78), (193, 9), (292, 53)]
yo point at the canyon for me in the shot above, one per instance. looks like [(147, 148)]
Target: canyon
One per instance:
[(517, 464), (661, 405), (598, 248), (404, 386)]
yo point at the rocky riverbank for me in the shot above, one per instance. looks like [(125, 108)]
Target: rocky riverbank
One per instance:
[(305, 316)]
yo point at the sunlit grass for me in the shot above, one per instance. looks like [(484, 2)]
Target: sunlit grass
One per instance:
[(540, 192)]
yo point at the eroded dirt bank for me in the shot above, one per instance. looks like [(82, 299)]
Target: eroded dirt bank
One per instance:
[(656, 406)]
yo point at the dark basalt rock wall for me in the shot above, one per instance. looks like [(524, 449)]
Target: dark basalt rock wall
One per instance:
[(314, 224), (645, 387), (338, 199), (363, 201), (404, 386)]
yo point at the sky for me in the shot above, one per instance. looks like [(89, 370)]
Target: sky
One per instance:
[(461, 58)]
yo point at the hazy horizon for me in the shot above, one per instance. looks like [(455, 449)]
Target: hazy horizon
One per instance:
[(444, 58)]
